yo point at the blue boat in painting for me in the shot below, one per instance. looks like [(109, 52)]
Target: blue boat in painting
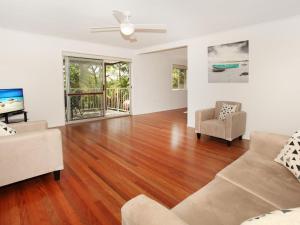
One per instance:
[(221, 67)]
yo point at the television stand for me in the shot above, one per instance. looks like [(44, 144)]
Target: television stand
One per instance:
[(7, 121)]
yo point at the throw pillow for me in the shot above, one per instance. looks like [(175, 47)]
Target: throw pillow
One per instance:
[(5, 130), (278, 217), (289, 156), (226, 110)]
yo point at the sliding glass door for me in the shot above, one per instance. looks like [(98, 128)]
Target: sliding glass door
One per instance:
[(117, 88), (84, 88)]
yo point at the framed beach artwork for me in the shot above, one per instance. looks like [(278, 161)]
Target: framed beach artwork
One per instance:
[(229, 63)]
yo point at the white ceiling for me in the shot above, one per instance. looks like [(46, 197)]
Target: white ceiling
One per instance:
[(184, 19)]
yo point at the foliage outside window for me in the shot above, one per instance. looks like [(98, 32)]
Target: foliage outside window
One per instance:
[(85, 77), (117, 75), (178, 77)]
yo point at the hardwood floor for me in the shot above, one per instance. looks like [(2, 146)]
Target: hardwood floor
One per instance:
[(111, 161)]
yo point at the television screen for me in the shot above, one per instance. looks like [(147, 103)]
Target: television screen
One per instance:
[(11, 100)]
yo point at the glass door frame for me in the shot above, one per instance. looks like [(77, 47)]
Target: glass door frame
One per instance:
[(68, 94), (107, 62), (68, 54)]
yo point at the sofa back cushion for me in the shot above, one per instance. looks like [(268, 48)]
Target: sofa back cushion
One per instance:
[(268, 145), (265, 178), (219, 105), (220, 203)]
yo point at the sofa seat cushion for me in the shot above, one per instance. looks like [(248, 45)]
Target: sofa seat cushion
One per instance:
[(213, 127), (220, 203), (265, 178)]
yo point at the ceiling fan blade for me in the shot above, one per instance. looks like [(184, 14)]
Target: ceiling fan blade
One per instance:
[(104, 29), (150, 27), (120, 16)]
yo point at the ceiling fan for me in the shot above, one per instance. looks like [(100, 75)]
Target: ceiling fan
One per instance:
[(127, 28)]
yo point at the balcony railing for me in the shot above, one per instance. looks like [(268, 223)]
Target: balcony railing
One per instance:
[(83, 106), (118, 99), (91, 104)]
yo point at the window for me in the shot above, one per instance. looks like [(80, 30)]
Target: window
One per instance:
[(178, 77)]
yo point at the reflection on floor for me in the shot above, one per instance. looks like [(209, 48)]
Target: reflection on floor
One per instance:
[(111, 113)]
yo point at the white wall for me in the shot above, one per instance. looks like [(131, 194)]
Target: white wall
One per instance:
[(271, 98), (152, 82), (34, 62)]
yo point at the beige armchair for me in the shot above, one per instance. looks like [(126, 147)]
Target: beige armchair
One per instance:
[(232, 127), (33, 151)]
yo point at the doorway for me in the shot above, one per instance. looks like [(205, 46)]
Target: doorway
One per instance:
[(95, 88), (117, 85)]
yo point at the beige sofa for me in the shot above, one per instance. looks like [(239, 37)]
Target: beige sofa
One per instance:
[(234, 126), (252, 185), (33, 151)]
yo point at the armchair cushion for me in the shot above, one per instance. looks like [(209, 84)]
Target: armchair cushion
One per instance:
[(5, 130), (214, 128), (219, 105), (226, 110)]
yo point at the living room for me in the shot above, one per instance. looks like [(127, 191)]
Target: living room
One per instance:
[(167, 156)]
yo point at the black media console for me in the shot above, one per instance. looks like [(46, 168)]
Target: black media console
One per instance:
[(7, 115)]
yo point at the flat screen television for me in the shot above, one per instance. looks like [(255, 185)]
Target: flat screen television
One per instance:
[(11, 100)]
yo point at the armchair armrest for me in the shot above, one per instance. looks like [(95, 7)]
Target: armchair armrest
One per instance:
[(202, 115), (29, 126), (142, 210), (30, 154), (267, 144), (235, 125)]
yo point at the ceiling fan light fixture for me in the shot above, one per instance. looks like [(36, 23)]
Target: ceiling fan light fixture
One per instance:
[(127, 28)]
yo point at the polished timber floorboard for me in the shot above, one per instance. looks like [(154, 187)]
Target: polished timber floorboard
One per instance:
[(111, 161)]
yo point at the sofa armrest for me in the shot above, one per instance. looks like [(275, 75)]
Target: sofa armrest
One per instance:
[(142, 210), (235, 125), (30, 154), (267, 144), (202, 115), (29, 126)]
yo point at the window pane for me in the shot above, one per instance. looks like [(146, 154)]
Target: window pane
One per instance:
[(85, 76), (178, 78), (181, 79), (175, 76), (83, 88)]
